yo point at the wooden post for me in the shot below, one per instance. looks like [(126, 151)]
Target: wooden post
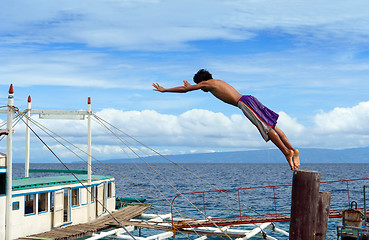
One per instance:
[(323, 215), (304, 206)]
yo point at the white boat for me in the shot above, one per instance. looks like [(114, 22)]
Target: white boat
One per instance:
[(34, 205)]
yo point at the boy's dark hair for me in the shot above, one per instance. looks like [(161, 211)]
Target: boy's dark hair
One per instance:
[(202, 75)]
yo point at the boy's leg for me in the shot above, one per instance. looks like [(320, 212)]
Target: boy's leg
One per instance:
[(288, 153), (287, 143)]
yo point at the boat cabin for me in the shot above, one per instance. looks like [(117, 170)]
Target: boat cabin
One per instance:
[(43, 203)]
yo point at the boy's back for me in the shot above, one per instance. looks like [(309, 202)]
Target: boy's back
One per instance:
[(220, 90)]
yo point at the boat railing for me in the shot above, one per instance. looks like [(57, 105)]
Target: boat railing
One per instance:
[(256, 204)]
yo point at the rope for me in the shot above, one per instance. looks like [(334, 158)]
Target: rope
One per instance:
[(163, 200)]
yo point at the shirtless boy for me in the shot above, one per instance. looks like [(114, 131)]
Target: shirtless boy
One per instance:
[(262, 117)]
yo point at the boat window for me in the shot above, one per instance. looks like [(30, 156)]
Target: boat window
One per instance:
[(93, 193), (75, 197), (42, 202), (66, 217), (29, 204), (109, 190), (2, 183)]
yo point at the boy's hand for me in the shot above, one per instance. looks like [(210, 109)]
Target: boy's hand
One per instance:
[(186, 84), (157, 87)]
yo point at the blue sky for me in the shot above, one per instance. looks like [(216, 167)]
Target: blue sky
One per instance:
[(306, 60)]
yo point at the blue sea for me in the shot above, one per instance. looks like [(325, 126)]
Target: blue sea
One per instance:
[(159, 183)]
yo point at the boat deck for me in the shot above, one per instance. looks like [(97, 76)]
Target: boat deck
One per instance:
[(87, 229)]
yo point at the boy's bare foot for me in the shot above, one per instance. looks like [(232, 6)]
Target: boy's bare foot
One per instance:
[(289, 158), (296, 159)]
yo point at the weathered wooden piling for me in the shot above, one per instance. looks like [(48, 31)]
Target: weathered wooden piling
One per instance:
[(322, 215), (308, 207)]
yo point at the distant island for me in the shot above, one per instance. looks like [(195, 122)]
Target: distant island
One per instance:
[(307, 155)]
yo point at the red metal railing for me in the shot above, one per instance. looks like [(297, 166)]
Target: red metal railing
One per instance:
[(275, 215)]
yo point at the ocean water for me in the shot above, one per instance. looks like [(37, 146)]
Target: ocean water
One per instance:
[(160, 183)]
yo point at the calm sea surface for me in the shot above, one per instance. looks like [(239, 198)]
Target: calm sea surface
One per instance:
[(160, 183)]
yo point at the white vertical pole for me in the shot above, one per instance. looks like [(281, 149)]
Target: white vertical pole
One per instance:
[(9, 162), (28, 138), (89, 171)]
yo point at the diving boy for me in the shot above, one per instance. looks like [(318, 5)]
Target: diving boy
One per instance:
[(262, 117)]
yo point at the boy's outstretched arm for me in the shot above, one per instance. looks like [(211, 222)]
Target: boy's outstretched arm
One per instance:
[(181, 89)]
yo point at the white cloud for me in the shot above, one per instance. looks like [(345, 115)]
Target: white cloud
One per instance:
[(200, 130), (142, 123), (211, 130), (204, 129), (344, 120)]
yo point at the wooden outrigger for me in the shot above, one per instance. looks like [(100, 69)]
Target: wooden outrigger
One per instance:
[(88, 229)]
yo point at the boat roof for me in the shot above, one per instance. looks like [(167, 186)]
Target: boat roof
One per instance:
[(28, 183)]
